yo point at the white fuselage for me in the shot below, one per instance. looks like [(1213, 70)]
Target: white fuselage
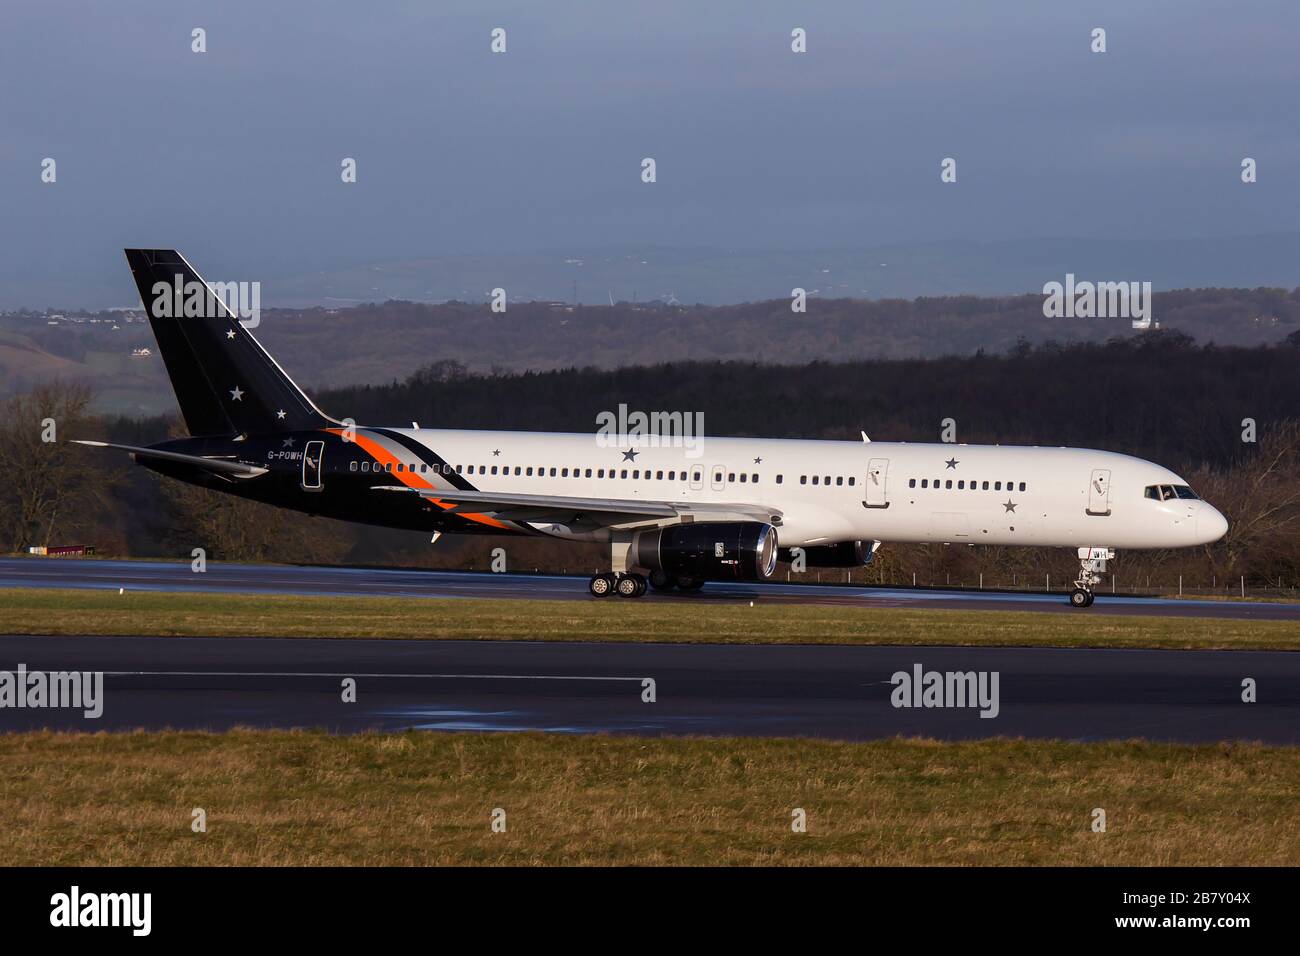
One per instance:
[(831, 491)]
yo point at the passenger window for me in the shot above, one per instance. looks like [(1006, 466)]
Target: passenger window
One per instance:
[(743, 477), (853, 480), (754, 478), (780, 478), (588, 475), (803, 479), (948, 483), (623, 473), (816, 479), (1022, 486), (828, 479), (961, 486), (925, 482), (839, 480), (986, 486), (352, 466), (997, 486), (731, 476)]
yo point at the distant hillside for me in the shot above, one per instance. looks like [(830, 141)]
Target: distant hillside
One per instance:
[(379, 344)]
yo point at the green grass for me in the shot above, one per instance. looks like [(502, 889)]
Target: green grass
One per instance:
[(40, 611), (314, 799)]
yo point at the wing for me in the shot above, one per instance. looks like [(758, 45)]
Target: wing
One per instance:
[(595, 512), (219, 466)]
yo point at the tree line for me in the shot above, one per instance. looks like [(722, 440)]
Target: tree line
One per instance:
[(1228, 419)]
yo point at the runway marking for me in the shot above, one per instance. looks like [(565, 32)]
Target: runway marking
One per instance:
[(355, 674)]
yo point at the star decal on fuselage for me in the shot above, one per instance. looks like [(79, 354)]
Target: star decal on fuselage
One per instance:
[(758, 461), (952, 463), (237, 394), (230, 334), (496, 453), (1010, 505), (288, 442), (280, 414), (630, 454)]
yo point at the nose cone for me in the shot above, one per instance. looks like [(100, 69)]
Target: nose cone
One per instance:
[(1210, 524)]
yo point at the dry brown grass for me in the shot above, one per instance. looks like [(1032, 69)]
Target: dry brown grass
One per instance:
[(309, 799), (36, 611)]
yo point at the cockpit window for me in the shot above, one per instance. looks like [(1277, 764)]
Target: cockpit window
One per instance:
[(1169, 492)]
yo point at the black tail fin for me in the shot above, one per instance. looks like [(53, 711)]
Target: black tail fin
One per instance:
[(225, 382)]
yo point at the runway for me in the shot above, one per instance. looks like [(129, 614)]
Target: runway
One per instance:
[(366, 582), (750, 690)]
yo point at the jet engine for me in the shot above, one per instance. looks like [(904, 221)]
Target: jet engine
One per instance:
[(718, 551)]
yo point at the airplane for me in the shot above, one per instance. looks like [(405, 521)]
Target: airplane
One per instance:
[(672, 517)]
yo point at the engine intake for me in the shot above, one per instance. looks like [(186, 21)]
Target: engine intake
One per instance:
[(719, 551)]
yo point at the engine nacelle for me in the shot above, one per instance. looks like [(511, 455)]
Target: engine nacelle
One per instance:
[(845, 554), (717, 551)]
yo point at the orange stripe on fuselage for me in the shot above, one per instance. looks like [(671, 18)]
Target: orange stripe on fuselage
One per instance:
[(411, 479)]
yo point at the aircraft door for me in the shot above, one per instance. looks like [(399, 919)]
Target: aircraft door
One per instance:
[(1099, 493), (877, 491), (312, 458)]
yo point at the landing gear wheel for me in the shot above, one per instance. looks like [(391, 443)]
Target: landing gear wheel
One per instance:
[(1080, 598), (661, 582), (631, 586), (601, 585), (690, 584)]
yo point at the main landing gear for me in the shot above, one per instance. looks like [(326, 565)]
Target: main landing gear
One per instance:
[(1092, 561), (629, 585), (624, 585)]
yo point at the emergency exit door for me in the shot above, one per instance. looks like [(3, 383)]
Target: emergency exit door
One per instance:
[(877, 484), (311, 465), (1099, 493)]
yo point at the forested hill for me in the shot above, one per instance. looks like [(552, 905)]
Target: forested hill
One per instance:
[(380, 343)]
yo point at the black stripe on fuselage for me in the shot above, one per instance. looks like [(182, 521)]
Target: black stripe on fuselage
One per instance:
[(427, 456)]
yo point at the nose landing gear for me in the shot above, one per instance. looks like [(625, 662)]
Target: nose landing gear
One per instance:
[(1092, 561)]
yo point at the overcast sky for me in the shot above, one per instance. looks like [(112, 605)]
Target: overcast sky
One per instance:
[(234, 155)]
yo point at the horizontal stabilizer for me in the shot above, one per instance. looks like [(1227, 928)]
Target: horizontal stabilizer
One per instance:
[(220, 466)]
